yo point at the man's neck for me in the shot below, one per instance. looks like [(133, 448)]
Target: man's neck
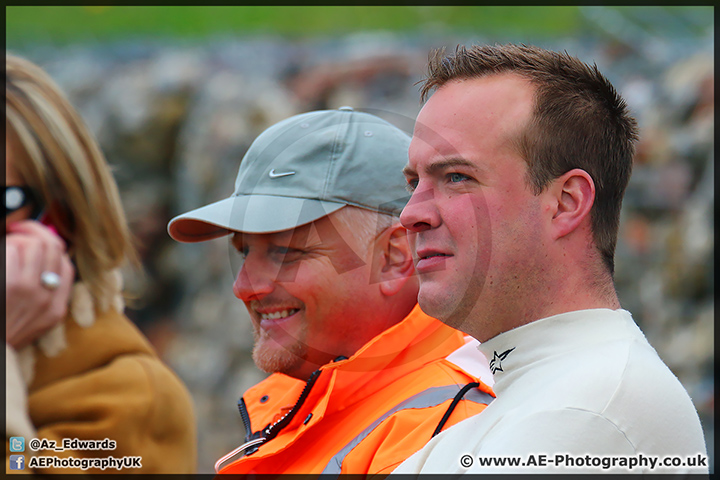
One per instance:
[(576, 290)]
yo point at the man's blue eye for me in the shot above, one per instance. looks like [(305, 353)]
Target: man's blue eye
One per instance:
[(457, 177), (411, 185)]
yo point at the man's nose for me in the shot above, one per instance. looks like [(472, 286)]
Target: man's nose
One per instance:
[(255, 280), (421, 211)]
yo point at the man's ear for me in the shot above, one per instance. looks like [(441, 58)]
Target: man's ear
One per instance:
[(392, 262), (571, 198)]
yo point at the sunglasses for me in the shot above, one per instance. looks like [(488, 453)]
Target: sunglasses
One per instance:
[(16, 197)]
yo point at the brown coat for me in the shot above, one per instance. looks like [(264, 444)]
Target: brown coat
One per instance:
[(108, 383)]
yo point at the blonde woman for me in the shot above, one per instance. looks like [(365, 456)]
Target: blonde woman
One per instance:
[(77, 368)]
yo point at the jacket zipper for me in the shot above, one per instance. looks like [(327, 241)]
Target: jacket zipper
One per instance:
[(271, 431), (245, 416)]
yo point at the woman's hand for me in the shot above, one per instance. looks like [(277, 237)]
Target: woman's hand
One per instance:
[(35, 299)]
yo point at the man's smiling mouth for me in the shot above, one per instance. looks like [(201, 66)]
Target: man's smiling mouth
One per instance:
[(279, 314)]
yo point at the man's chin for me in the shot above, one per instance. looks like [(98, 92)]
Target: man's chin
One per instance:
[(434, 300), (271, 357), (443, 306)]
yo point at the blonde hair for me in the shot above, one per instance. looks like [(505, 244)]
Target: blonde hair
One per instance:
[(60, 160)]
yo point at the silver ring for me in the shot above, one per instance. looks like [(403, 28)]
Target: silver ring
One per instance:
[(50, 280)]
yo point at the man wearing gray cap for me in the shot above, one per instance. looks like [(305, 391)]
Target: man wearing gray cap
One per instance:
[(361, 378)]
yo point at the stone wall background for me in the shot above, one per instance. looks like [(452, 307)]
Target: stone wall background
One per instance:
[(175, 118)]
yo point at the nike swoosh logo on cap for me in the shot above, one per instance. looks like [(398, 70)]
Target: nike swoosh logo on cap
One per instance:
[(272, 174)]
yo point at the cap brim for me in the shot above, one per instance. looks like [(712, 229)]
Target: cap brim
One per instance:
[(248, 214)]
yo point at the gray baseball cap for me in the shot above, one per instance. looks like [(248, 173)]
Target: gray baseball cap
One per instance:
[(304, 168)]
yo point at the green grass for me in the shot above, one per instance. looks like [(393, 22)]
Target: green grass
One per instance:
[(58, 24)]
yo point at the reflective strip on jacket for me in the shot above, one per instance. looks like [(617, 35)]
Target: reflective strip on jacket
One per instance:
[(368, 413)]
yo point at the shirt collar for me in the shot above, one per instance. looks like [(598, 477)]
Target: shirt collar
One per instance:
[(511, 351)]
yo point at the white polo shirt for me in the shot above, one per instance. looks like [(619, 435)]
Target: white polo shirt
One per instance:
[(576, 392)]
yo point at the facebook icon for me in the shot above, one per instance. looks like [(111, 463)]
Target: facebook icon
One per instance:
[(17, 462)]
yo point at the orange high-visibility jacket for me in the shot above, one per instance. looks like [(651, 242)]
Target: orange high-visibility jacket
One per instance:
[(365, 414)]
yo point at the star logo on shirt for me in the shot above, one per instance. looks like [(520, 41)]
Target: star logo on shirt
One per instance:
[(495, 363)]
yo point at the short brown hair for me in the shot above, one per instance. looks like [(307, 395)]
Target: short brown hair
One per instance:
[(579, 121), (61, 161)]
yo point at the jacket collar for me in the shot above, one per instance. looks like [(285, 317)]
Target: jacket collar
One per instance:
[(416, 340)]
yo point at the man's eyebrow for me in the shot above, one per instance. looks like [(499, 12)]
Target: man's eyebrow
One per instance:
[(450, 162), (441, 165)]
